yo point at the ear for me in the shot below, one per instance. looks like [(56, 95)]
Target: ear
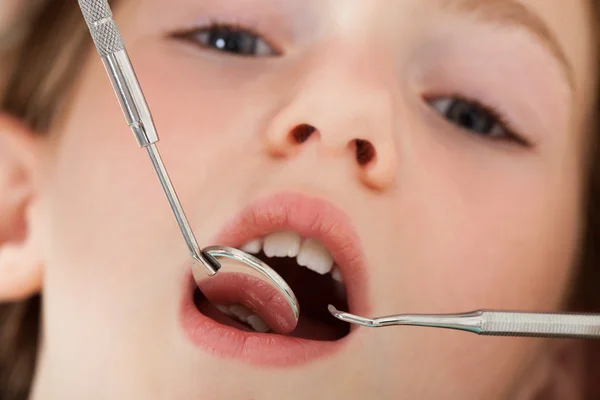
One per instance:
[(20, 262)]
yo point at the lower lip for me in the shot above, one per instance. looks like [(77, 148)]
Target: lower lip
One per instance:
[(261, 349)]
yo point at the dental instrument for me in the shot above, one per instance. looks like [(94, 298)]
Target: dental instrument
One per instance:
[(110, 47), (492, 323)]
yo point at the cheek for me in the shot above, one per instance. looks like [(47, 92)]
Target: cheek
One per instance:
[(110, 223), (102, 188), (478, 228), (466, 233), (111, 229)]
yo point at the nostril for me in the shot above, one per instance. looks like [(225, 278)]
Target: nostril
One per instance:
[(302, 132), (365, 152)]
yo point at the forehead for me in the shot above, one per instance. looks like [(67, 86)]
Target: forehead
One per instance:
[(574, 26)]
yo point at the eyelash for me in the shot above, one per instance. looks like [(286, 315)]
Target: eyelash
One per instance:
[(227, 27), (501, 119)]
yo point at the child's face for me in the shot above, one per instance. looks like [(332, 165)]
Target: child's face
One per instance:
[(446, 210)]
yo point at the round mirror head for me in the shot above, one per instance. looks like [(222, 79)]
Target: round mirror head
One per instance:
[(244, 280)]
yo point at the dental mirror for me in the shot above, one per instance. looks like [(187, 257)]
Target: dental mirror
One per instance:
[(223, 274), (244, 280)]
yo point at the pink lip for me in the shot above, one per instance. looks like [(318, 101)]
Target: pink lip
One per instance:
[(310, 217)]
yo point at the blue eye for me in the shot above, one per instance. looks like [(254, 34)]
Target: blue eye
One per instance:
[(477, 119), (470, 116), (228, 39)]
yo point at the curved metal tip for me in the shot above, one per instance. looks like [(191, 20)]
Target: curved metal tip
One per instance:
[(334, 311), (351, 318)]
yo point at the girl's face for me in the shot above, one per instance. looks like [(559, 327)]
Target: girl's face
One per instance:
[(432, 150)]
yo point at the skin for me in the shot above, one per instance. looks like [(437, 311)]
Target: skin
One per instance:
[(449, 221)]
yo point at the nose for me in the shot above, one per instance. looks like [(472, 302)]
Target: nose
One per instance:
[(345, 107)]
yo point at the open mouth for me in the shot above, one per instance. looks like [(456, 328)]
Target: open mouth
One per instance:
[(309, 269), (311, 244)]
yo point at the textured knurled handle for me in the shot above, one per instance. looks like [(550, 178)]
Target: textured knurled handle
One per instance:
[(103, 29), (541, 325)]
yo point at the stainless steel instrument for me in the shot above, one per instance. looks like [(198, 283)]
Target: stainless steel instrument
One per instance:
[(491, 323)]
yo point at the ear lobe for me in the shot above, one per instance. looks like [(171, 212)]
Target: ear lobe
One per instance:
[(20, 261), (20, 272)]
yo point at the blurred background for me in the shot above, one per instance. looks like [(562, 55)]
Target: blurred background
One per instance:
[(8, 9)]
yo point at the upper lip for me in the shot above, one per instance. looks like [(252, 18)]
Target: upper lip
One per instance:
[(310, 217)]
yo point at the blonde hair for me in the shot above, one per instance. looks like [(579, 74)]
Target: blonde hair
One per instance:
[(45, 56)]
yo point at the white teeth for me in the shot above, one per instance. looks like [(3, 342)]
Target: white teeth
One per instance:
[(252, 247), (257, 323), (336, 274), (223, 309), (243, 314), (309, 253), (240, 312), (314, 256), (282, 244)]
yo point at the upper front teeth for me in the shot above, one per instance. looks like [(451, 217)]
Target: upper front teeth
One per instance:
[(309, 253), (313, 255), (252, 247), (282, 244)]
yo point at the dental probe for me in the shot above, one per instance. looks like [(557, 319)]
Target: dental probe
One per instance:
[(108, 41), (492, 323)]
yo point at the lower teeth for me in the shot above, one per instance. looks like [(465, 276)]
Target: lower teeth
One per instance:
[(244, 315)]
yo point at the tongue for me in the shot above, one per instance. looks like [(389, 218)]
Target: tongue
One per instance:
[(227, 288)]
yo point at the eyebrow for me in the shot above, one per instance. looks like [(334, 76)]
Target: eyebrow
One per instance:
[(516, 14)]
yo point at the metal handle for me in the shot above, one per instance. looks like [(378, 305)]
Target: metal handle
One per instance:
[(131, 98), (108, 41), (110, 46), (540, 325)]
